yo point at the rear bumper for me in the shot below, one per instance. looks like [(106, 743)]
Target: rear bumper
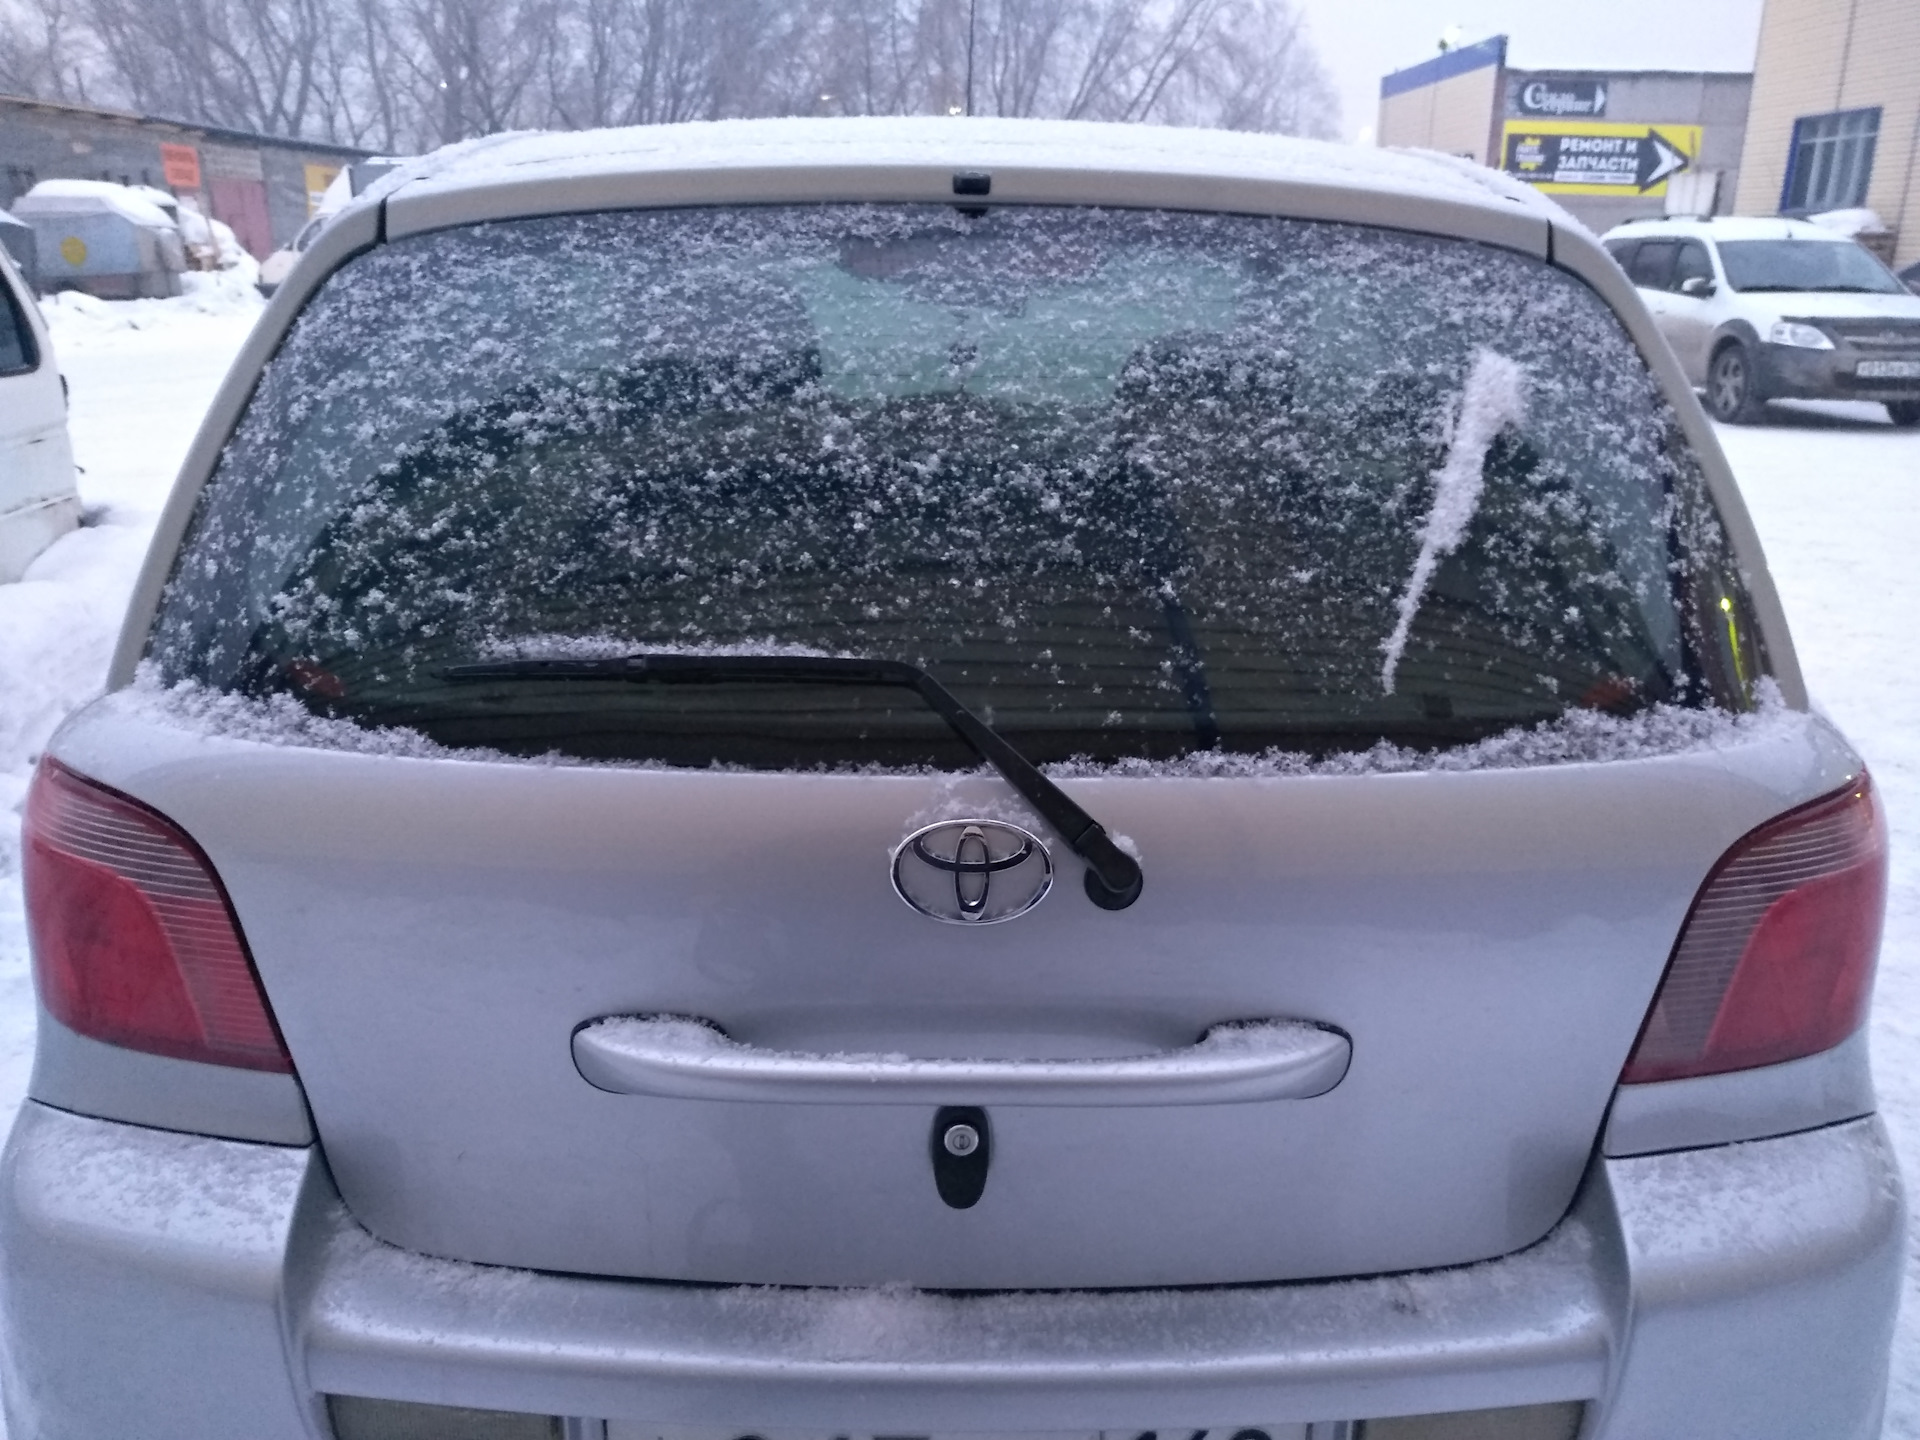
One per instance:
[(169, 1285), (1790, 373)]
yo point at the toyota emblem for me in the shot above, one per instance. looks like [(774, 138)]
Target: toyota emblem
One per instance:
[(972, 872)]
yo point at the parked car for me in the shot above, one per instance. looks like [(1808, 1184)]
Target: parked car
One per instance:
[(351, 180), (1910, 277), (952, 777), (277, 266), (1759, 309), (38, 503)]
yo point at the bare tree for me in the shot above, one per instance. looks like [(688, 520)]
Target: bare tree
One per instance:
[(407, 74), (44, 51), (1255, 72), (243, 63)]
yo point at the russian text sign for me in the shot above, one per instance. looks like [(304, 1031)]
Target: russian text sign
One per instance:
[(1598, 157)]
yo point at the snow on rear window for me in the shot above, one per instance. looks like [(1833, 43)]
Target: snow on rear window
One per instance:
[(1137, 487), (1578, 737)]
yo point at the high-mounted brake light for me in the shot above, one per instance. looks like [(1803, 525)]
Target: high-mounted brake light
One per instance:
[(1776, 958), (134, 942)]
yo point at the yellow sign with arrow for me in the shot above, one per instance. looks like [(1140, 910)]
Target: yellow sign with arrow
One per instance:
[(1598, 157)]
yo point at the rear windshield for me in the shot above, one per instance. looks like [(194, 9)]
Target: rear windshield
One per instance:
[(1805, 265), (1131, 484)]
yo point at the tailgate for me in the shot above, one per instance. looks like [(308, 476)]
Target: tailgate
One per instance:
[(433, 932)]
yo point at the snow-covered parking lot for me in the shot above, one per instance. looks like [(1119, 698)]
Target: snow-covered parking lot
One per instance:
[(1835, 491)]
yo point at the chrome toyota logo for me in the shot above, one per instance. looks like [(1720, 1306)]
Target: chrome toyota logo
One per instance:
[(972, 872)]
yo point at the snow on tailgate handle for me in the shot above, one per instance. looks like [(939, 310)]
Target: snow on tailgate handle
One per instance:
[(674, 1057)]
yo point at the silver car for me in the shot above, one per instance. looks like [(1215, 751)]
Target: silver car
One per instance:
[(949, 779)]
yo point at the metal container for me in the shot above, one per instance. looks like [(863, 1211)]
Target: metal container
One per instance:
[(117, 246)]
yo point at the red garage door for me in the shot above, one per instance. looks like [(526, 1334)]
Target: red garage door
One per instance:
[(243, 205)]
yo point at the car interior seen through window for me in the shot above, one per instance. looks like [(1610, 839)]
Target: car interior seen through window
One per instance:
[(1806, 265), (1129, 484), (1691, 264), (1653, 264), (18, 354)]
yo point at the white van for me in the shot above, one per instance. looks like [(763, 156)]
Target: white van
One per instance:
[(38, 503)]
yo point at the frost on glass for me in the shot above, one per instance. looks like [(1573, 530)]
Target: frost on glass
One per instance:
[(1132, 485)]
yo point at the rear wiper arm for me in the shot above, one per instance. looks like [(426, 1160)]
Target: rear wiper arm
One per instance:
[(1113, 878)]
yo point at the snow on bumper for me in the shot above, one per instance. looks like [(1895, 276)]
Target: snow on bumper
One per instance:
[(171, 1285)]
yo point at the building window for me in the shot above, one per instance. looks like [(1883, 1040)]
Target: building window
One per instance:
[(1831, 160)]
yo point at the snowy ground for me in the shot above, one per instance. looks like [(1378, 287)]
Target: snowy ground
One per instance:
[(1835, 491)]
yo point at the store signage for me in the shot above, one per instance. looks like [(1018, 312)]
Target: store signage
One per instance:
[(1561, 97), (1598, 157), (319, 177), (180, 164)]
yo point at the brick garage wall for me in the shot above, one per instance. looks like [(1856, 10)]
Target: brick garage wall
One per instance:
[(58, 142), (38, 144)]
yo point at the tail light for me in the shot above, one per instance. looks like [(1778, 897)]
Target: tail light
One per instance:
[(134, 942), (1776, 958)]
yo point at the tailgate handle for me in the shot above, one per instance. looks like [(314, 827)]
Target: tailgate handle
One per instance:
[(673, 1057)]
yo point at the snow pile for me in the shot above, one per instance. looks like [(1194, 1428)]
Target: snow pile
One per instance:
[(233, 255), (78, 320), (1853, 222), (161, 200), (71, 197), (1494, 398)]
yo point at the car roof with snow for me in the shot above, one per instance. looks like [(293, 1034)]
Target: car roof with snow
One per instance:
[(916, 159), (1730, 227)]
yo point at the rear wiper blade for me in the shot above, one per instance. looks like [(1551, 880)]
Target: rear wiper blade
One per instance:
[(1113, 878)]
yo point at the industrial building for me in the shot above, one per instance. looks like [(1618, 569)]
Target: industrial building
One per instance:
[(263, 186), (1835, 122), (1610, 145)]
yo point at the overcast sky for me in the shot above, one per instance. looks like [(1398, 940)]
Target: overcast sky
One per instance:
[(1361, 40)]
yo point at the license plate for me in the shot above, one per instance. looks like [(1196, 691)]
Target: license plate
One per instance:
[(1888, 370)]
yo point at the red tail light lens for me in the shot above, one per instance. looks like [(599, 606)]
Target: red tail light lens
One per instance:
[(1776, 958), (134, 942)]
